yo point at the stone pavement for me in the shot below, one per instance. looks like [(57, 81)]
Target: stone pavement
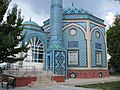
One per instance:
[(69, 84), (73, 82), (53, 87)]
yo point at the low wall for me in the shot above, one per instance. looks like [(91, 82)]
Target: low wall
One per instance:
[(87, 73), (21, 81), (24, 81), (58, 78)]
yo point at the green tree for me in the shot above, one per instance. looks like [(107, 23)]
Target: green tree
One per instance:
[(10, 34), (3, 7), (113, 39)]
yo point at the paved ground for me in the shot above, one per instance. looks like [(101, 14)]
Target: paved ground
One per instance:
[(73, 82), (54, 87), (69, 84)]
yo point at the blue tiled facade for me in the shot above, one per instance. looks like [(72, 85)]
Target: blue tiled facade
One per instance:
[(69, 34), (56, 24), (100, 48), (80, 38)]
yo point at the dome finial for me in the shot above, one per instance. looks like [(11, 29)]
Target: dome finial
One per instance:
[(30, 18), (72, 4)]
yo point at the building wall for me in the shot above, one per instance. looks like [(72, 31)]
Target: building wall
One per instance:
[(87, 73), (80, 40), (98, 44), (77, 32), (43, 38)]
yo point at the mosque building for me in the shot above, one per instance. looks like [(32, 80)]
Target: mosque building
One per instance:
[(71, 43)]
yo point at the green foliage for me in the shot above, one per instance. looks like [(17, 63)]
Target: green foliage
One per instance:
[(10, 34), (113, 39), (3, 7), (115, 74)]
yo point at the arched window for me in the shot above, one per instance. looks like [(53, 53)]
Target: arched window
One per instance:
[(36, 50)]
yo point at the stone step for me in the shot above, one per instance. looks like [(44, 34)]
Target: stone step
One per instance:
[(42, 80), (46, 81), (42, 83)]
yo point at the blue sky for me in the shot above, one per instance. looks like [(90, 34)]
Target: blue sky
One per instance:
[(39, 10)]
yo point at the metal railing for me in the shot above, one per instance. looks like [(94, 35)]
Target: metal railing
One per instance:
[(21, 71), (30, 70)]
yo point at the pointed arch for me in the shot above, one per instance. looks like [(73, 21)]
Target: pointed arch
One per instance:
[(36, 48), (97, 27), (76, 25)]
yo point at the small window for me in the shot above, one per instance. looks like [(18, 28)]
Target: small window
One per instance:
[(73, 32), (73, 57), (97, 34), (98, 58)]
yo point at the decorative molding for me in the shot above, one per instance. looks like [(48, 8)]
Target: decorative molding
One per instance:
[(87, 68), (74, 10), (73, 44), (98, 46), (59, 62), (73, 21), (97, 24)]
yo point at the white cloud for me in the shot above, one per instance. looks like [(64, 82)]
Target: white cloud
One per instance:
[(108, 57), (104, 9), (109, 19), (27, 12)]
